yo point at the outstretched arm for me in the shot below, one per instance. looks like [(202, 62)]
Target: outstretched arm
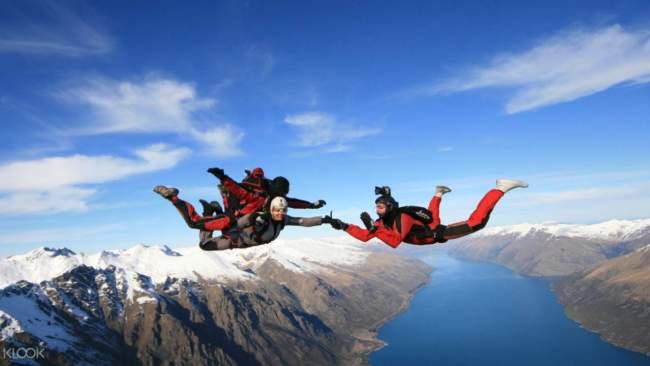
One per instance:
[(304, 221), (359, 233), (390, 237), (298, 203), (354, 231), (233, 187)]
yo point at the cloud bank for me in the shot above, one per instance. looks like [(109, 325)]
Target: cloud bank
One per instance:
[(561, 68), (61, 184), (149, 106)]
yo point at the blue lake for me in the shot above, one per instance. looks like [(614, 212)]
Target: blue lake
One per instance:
[(483, 314)]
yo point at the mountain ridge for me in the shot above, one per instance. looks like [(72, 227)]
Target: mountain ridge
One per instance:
[(551, 250), (280, 306)]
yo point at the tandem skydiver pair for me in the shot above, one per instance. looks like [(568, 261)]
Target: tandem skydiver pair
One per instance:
[(256, 212)]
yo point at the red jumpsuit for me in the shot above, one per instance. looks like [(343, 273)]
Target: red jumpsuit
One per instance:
[(414, 232), (254, 202), (196, 221)]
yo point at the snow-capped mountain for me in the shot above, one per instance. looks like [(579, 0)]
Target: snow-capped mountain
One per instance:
[(612, 230), (292, 302), (553, 249), (189, 263)]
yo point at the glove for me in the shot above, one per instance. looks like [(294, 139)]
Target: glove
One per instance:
[(256, 219), (338, 224), (217, 172), (259, 220), (367, 221), (318, 204), (335, 223)]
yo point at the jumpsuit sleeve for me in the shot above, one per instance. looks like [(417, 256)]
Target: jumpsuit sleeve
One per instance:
[(304, 221), (393, 237), (359, 233), (297, 203), (245, 221), (240, 193), (254, 201)]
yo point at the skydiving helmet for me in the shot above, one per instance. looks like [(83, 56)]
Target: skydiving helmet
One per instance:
[(385, 198), (279, 186)]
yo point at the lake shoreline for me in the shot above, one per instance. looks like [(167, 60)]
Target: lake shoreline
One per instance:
[(444, 320)]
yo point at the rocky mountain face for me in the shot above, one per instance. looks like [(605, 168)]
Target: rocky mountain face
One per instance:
[(613, 299), (316, 302), (553, 249)]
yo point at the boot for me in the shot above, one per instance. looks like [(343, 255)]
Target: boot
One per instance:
[(166, 192), (440, 190), (218, 210), (504, 185), (211, 208)]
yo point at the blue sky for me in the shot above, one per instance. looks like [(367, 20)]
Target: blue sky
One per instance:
[(100, 101)]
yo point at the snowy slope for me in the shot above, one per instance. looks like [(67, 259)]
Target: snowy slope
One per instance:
[(79, 283), (612, 230), (159, 263), (25, 313), (38, 265)]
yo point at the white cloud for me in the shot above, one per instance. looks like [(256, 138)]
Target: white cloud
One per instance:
[(222, 141), (64, 199), (564, 67), (445, 149), (317, 129), (55, 172), (57, 31), (55, 184), (152, 105)]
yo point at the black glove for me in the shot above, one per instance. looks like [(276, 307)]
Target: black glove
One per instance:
[(256, 219), (319, 204), (336, 223), (367, 221), (217, 172)]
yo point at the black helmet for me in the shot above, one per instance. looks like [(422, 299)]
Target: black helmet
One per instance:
[(388, 201), (385, 198), (279, 186)]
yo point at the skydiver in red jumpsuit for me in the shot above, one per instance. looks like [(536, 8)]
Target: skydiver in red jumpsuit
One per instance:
[(235, 199), (420, 226), (252, 200)]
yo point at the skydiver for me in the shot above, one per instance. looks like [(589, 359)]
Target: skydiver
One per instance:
[(258, 199), (420, 226), (249, 230)]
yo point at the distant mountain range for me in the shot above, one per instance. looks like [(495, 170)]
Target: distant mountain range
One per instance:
[(602, 270), (294, 302), (553, 249)]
